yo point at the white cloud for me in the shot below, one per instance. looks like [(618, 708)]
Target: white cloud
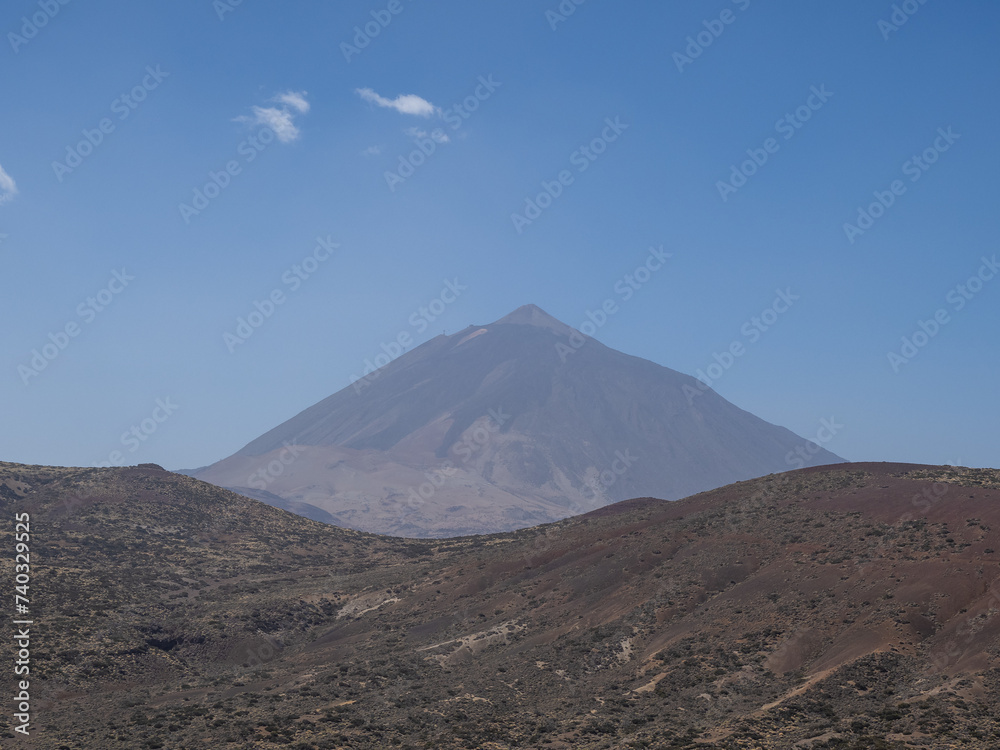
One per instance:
[(407, 104), (280, 120), (8, 188), (372, 151), (437, 134), (294, 99)]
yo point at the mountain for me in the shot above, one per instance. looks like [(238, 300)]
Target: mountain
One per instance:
[(852, 606), (504, 426)]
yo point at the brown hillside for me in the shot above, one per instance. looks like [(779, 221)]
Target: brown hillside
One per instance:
[(852, 607)]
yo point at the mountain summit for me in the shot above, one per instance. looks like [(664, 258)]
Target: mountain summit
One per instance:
[(533, 315), (503, 426)]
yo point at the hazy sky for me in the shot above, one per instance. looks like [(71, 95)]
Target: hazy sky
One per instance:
[(166, 166)]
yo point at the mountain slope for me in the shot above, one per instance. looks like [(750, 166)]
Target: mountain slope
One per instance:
[(853, 606), (507, 425)]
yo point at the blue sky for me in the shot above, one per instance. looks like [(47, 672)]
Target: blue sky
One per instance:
[(833, 103)]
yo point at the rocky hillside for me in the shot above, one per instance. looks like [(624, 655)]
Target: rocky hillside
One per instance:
[(853, 606)]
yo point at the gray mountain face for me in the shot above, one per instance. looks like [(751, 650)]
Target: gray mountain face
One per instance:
[(508, 425)]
